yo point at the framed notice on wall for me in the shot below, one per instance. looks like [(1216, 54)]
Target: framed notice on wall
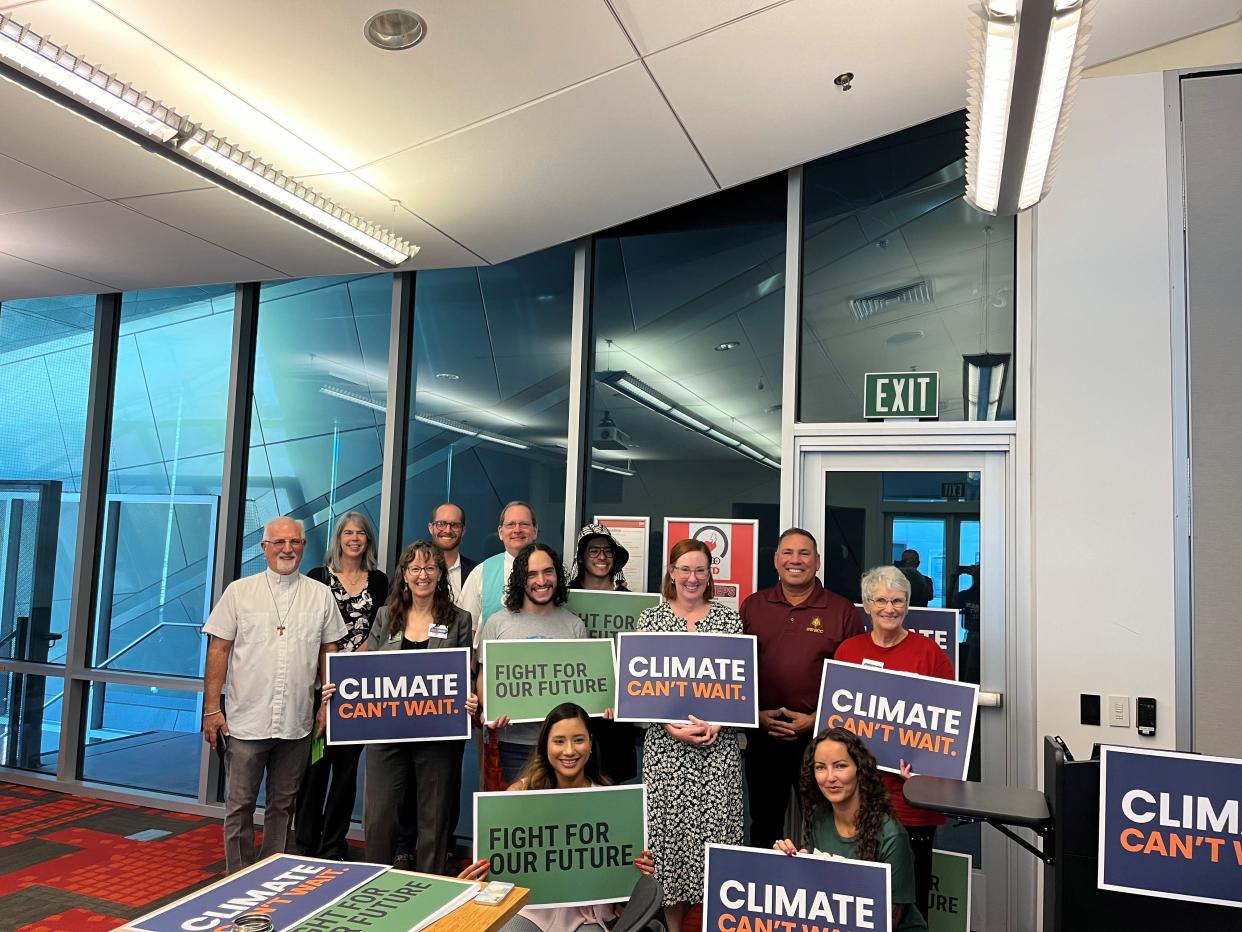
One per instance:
[(632, 534), (734, 546)]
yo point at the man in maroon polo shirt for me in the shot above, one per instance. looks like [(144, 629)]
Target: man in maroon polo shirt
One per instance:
[(798, 624)]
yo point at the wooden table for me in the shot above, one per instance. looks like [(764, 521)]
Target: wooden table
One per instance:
[(475, 918)]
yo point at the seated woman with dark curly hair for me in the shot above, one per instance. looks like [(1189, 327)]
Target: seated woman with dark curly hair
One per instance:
[(846, 812), (562, 759)]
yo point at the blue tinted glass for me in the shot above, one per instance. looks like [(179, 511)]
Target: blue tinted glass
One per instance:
[(320, 390), (900, 274), (685, 404), (146, 737), (30, 716), (491, 395), (164, 477), (45, 360)]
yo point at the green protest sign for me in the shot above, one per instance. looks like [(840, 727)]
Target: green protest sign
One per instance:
[(948, 907), (570, 847), (395, 901), (606, 614), (526, 680)]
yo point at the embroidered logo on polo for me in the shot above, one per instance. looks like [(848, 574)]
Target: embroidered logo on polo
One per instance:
[(816, 626)]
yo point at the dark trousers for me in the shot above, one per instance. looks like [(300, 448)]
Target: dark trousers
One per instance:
[(326, 803), (772, 771), (423, 777), (407, 824), (245, 764), (922, 839), (513, 758)]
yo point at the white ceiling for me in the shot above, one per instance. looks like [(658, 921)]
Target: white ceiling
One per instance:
[(515, 125)]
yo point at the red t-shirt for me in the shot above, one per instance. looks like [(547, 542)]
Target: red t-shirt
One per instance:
[(912, 654)]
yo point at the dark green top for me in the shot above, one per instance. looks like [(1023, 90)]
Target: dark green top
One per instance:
[(894, 851)]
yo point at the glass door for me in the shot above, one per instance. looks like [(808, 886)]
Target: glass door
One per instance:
[(941, 518)]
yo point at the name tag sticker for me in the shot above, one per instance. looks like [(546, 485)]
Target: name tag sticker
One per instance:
[(438, 631), (873, 663)]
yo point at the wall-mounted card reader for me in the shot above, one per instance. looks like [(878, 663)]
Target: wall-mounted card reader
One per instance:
[(1145, 716)]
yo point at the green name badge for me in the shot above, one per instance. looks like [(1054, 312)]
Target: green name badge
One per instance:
[(526, 680), (607, 614), (570, 847)]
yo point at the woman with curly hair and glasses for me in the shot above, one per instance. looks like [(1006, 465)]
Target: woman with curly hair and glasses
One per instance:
[(846, 812)]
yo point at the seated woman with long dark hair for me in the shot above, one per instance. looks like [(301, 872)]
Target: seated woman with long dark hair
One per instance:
[(846, 812), (562, 759)]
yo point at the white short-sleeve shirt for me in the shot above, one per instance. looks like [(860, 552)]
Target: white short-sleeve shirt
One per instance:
[(277, 625)]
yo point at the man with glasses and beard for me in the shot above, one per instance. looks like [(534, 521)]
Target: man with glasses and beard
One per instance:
[(269, 634), (445, 529)]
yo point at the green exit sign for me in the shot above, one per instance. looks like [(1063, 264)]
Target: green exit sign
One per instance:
[(901, 394)]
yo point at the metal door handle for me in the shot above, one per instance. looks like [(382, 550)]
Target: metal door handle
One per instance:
[(991, 700)]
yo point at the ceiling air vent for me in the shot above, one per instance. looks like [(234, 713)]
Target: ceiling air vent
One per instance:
[(872, 304)]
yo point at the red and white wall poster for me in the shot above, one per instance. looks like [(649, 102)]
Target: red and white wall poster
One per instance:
[(631, 533), (734, 546)]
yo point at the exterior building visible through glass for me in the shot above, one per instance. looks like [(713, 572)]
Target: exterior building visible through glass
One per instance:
[(901, 275)]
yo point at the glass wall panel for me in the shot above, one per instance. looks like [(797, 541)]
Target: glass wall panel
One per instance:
[(146, 737), (164, 475), (685, 404), (900, 273), (317, 434), (45, 360), (30, 715), (491, 395)]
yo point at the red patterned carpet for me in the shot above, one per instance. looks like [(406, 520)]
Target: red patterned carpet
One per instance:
[(66, 863)]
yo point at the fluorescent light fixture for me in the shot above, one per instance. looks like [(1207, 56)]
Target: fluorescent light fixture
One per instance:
[(615, 470), (39, 65), (444, 423), (644, 394), (983, 384), (1024, 70), (357, 398)]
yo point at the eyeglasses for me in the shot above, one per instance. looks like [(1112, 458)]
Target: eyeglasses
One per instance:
[(514, 525), (687, 571), (286, 542), (885, 603), (417, 571), (599, 551), (441, 525)]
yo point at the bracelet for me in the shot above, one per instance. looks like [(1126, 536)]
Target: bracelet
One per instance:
[(214, 712)]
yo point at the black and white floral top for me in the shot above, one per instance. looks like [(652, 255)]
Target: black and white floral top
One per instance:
[(357, 611)]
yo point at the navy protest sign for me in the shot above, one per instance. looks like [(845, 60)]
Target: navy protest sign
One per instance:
[(405, 695), (1170, 825), (942, 625), (667, 677), (753, 890), (286, 887), (929, 723)]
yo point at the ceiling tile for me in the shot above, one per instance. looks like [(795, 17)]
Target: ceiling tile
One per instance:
[(757, 95), (107, 242), (1125, 28), (596, 155), (303, 84), (81, 153), (657, 24), (22, 279), (436, 249), (27, 188)]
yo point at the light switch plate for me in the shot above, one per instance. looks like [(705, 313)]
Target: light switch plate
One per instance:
[(1119, 711)]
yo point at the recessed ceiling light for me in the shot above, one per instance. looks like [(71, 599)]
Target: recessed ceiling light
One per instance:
[(448, 376), (394, 30), (772, 409), (727, 345), (545, 298), (907, 336)]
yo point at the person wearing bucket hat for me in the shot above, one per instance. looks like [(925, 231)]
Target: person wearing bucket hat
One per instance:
[(599, 561), (599, 564)]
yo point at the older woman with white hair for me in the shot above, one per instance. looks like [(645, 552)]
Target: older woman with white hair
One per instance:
[(886, 599)]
